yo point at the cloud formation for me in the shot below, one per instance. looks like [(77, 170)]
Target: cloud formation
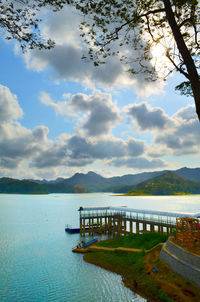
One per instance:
[(139, 163), (184, 136), (174, 135), (147, 117), (97, 113), (9, 107), (17, 143), (22, 149), (79, 151)]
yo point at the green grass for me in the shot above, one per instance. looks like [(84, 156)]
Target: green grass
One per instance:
[(138, 241)]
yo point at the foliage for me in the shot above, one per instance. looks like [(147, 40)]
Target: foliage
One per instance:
[(19, 20)]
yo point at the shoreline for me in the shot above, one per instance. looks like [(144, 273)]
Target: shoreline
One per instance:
[(163, 285), (176, 194)]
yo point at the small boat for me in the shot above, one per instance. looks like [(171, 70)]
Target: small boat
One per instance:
[(86, 244), (81, 247), (71, 230)]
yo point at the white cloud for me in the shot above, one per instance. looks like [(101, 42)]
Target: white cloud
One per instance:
[(140, 163), (17, 143), (9, 107), (97, 113), (22, 149), (61, 108), (79, 151), (175, 135), (184, 136), (147, 117)]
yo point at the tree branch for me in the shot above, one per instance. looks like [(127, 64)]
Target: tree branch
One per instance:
[(176, 66)]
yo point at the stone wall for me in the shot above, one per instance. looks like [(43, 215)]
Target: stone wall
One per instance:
[(181, 261)]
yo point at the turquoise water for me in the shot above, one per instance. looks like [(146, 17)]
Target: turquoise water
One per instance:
[(36, 262)]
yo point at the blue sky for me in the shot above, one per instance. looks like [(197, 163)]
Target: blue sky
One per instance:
[(61, 115)]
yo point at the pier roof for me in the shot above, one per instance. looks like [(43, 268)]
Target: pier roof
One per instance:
[(141, 211)]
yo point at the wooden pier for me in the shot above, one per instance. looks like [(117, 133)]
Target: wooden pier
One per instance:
[(122, 220)]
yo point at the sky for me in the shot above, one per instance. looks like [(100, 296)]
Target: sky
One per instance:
[(60, 115)]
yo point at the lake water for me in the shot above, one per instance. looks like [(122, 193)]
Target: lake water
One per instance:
[(36, 261)]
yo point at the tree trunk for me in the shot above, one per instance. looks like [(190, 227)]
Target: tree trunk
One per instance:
[(187, 58)]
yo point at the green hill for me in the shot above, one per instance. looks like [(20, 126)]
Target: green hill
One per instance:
[(166, 184), (15, 186)]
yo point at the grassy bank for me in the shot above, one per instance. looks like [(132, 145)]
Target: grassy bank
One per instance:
[(136, 241), (164, 285)]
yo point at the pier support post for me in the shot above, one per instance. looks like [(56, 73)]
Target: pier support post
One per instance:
[(137, 228), (119, 226), (81, 226), (101, 229), (97, 224), (131, 227), (92, 226), (124, 226), (83, 223), (168, 230), (106, 224), (144, 227)]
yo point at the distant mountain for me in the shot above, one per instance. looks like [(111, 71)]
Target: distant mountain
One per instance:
[(192, 174), (44, 181), (97, 183), (92, 182), (167, 184)]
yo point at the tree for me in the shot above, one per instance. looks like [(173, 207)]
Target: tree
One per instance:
[(133, 28), (145, 24)]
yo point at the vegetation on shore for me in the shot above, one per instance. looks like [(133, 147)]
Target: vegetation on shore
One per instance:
[(166, 184), (138, 269), (144, 241)]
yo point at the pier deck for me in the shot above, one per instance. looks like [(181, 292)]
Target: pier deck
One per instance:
[(123, 220)]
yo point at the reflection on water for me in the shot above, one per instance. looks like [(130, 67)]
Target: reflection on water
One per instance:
[(36, 262)]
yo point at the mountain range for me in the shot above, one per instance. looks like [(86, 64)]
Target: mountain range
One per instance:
[(90, 182)]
